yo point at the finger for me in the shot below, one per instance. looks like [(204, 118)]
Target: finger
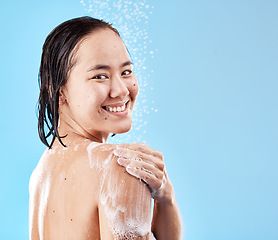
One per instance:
[(132, 154), (125, 162), (135, 155), (148, 177), (142, 147), (125, 153), (141, 165)]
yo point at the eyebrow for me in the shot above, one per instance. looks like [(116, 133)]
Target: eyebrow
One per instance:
[(102, 66)]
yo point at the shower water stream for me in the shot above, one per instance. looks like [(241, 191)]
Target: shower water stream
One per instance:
[(131, 19)]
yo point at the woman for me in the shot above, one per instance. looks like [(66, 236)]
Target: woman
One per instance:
[(83, 188)]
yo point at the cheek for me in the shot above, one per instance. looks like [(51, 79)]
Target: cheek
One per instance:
[(84, 102), (134, 88), (94, 95)]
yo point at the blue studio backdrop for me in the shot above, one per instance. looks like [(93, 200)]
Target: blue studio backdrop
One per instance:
[(208, 100)]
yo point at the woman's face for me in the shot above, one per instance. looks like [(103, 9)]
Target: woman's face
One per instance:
[(100, 93)]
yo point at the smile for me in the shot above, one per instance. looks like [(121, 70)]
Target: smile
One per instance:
[(116, 108)]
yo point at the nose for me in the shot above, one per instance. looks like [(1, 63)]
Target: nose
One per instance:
[(118, 88)]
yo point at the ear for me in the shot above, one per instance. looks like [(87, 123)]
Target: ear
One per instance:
[(62, 96)]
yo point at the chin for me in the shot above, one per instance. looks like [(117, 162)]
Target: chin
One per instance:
[(122, 129)]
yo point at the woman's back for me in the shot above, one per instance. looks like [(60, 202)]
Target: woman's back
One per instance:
[(80, 192), (82, 189)]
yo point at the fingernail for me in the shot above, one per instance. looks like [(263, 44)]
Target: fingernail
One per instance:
[(117, 152), (121, 161), (129, 169)]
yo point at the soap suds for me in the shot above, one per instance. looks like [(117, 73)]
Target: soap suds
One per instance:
[(158, 192), (126, 220), (94, 163)]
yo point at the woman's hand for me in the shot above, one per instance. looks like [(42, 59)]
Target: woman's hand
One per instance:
[(146, 164)]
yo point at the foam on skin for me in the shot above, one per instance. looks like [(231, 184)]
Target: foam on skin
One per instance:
[(128, 215)]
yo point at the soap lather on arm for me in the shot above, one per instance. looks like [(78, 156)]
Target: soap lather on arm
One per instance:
[(124, 202)]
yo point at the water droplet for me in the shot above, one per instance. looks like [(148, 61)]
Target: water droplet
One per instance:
[(131, 20)]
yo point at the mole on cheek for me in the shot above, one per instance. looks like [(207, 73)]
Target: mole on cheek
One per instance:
[(134, 84)]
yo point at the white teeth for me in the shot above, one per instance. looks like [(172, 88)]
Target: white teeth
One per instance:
[(116, 109)]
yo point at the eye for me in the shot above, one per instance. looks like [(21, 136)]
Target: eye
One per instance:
[(100, 76), (126, 72)]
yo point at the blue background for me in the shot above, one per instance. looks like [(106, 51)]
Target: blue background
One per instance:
[(214, 86)]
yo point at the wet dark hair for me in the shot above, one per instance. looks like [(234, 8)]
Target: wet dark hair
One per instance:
[(58, 57)]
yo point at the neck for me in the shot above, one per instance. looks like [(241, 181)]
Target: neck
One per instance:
[(74, 130)]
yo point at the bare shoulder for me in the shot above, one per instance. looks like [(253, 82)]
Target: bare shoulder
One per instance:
[(85, 182), (124, 201), (64, 195)]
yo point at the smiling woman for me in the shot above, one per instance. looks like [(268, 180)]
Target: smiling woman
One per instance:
[(101, 81), (83, 188)]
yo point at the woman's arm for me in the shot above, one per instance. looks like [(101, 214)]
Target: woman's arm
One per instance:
[(124, 202), (166, 223), (147, 164)]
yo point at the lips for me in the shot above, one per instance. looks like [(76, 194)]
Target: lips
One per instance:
[(119, 107)]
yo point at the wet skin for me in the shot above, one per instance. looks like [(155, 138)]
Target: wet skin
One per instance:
[(70, 190), (72, 198)]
